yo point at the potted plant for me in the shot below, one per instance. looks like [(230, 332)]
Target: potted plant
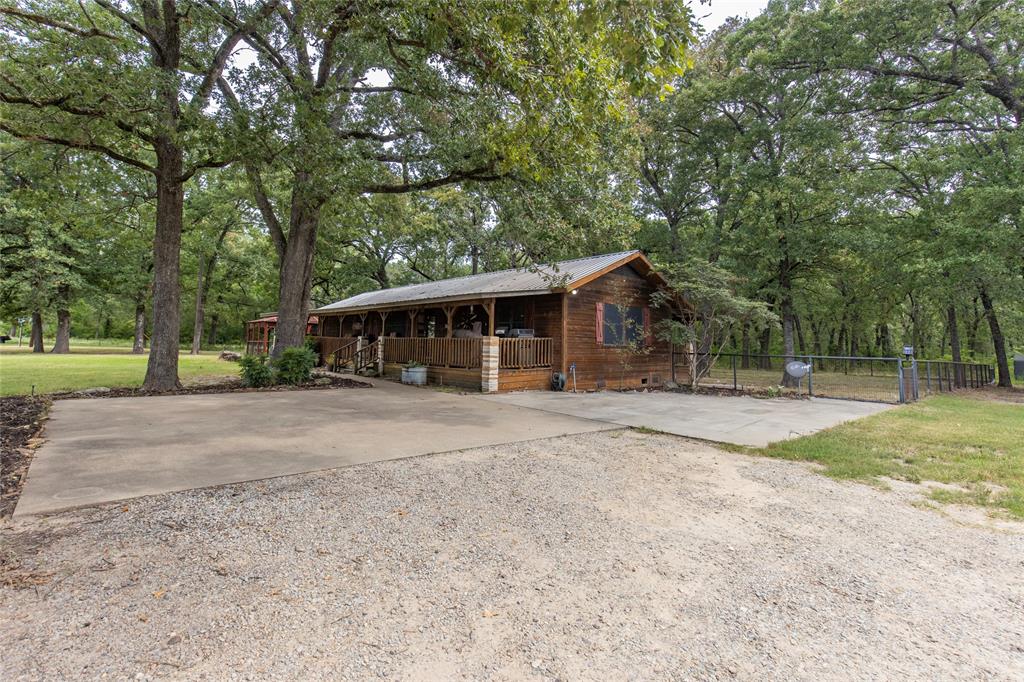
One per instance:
[(414, 373)]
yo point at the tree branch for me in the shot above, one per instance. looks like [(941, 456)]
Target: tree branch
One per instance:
[(481, 174), (54, 23), (88, 146), (220, 59)]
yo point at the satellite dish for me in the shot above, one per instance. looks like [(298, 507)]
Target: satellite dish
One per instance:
[(797, 369)]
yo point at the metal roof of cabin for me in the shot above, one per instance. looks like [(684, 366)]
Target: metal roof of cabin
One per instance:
[(499, 284)]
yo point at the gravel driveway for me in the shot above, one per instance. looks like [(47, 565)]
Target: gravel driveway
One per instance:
[(614, 555)]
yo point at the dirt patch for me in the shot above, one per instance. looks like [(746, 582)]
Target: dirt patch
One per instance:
[(1005, 395), (202, 387), (21, 421)]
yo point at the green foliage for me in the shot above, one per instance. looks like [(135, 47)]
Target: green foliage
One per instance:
[(294, 366), (255, 371), (705, 309)]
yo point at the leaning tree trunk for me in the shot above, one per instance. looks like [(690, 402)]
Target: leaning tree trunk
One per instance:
[(296, 270), (36, 337), (998, 340), (139, 341), (203, 280), (162, 370)]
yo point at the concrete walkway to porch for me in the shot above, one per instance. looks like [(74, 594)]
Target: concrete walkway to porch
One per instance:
[(740, 420)]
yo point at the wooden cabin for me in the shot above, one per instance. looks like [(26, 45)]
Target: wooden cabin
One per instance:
[(588, 320), (259, 333)]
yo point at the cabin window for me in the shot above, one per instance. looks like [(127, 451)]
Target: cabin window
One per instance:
[(621, 325)]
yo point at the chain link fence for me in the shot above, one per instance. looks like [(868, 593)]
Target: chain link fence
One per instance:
[(889, 380)]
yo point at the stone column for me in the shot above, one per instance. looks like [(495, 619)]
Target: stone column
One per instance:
[(489, 364)]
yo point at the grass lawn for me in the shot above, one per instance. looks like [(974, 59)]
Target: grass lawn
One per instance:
[(49, 373), (971, 442)]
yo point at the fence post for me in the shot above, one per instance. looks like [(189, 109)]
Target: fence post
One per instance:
[(899, 380), (810, 376), (928, 376), (734, 387), (914, 378)]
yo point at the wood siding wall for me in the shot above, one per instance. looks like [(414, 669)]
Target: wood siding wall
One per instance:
[(599, 366), (524, 379)]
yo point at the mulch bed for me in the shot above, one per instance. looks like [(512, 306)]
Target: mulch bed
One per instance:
[(752, 392), (227, 386), (21, 420)]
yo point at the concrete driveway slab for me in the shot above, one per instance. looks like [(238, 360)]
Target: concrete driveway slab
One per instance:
[(102, 450), (741, 420)]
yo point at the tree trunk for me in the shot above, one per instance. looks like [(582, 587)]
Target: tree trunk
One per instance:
[(788, 326), (139, 343), (745, 344), (62, 343), (211, 339), (162, 369), (474, 258), (1002, 364), (296, 268), (972, 328), (36, 337), (954, 344), (765, 362), (197, 321)]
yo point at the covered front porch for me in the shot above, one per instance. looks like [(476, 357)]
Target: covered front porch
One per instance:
[(483, 344)]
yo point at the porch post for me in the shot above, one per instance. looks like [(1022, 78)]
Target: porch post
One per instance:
[(489, 364), (412, 321), (449, 311), (490, 317)]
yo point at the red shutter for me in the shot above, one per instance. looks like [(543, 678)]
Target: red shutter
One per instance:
[(648, 331), (600, 323)]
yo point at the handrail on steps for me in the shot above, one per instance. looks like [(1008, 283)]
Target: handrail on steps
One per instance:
[(336, 355), (365, 356)]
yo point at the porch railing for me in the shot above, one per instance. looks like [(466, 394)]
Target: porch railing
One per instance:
[(330, 344), (527, 353), (434, 352), (256, 347)]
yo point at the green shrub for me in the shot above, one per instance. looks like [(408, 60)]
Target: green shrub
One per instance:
[(295, 366), (255, 371)]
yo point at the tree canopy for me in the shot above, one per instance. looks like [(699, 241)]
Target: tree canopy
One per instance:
[(852, 169)]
